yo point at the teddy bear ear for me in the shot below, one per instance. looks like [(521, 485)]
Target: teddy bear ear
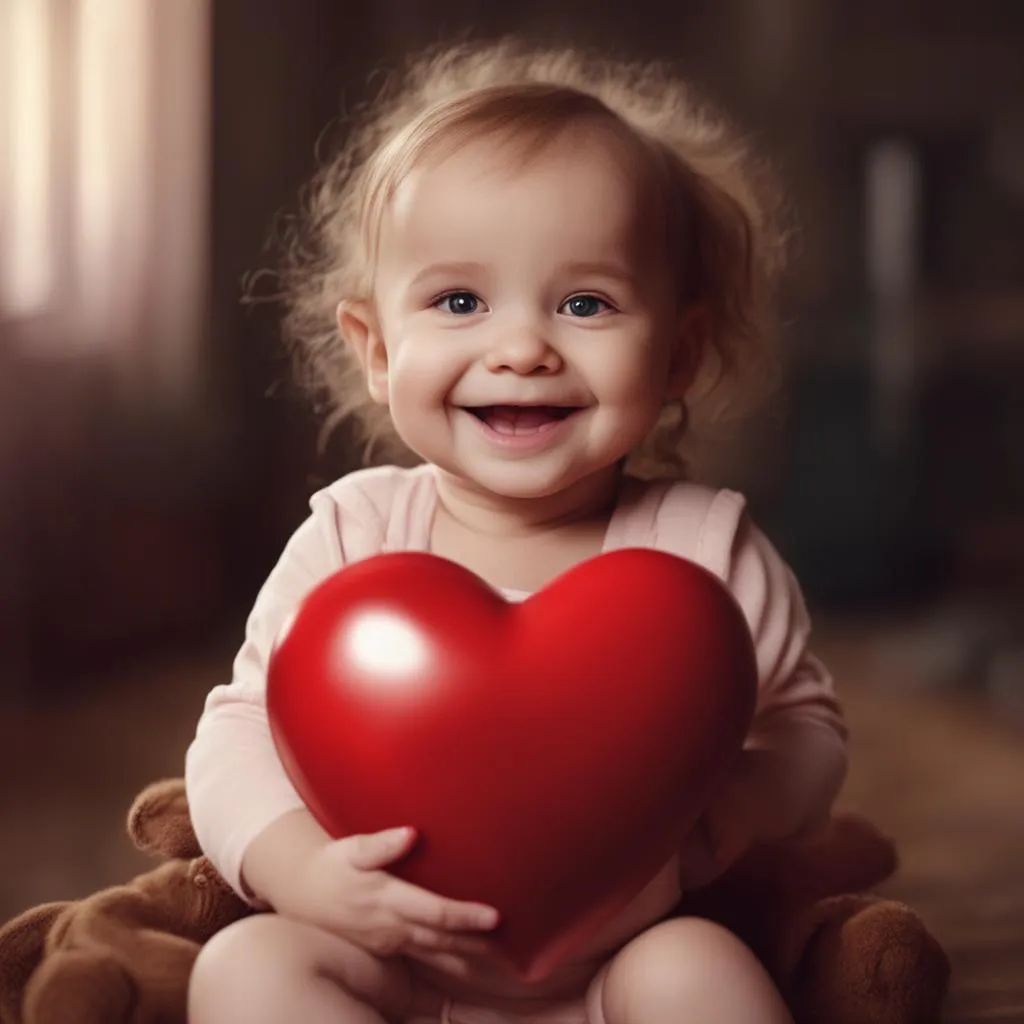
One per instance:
[(159, 821)]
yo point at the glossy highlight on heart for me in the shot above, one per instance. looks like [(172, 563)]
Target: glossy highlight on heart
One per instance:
[(552, 753)]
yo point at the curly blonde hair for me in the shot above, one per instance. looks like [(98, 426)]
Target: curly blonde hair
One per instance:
[(720, 207)]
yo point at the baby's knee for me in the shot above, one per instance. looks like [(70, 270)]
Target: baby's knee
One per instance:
[(687, 968), (266, 967), (246, 965)]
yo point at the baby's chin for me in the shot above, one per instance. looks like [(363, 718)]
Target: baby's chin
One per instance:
[(516, 481), (580, 497), (548, 476)]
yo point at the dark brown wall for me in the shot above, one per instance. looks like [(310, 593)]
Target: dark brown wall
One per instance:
[(120, 529)]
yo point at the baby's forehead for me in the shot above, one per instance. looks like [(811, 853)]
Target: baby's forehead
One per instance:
[(577, 161), (514, 152), (583, 193)]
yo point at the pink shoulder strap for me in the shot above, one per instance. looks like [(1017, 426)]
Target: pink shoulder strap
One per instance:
[(365, 505), (699, 523)]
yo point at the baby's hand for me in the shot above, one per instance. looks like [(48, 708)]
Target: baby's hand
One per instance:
[(342, 887)]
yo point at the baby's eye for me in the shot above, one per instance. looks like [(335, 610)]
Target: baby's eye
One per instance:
[(459, 303), (583, 305)]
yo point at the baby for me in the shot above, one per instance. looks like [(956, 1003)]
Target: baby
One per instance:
[(524, 269)]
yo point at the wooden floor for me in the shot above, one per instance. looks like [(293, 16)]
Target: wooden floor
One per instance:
[(941, 773), (944, 775)]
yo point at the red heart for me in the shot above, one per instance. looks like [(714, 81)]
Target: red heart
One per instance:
[(552, 754)]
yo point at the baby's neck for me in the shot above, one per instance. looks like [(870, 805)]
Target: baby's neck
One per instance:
[(481, 512), (521, 545)]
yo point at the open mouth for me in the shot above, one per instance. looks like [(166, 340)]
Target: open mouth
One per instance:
[(521, 419)]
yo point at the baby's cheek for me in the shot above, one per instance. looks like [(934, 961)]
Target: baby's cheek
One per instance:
[(426, 430), (634, 386)]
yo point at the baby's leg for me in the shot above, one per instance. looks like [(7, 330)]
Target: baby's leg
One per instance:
[(268, 969), (685, 971)]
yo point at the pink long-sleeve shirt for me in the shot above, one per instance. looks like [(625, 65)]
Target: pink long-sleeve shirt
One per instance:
[(237, 786)]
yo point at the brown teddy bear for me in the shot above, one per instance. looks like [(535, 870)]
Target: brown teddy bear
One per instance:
[(123, 955)]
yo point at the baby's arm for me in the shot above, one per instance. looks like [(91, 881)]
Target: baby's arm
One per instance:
[(235, 781), (798, 728), (794, 761), (252, 823)]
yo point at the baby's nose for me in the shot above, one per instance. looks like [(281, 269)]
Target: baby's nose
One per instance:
[(523, 352)]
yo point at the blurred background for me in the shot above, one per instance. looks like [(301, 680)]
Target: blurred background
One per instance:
[(154, 455)]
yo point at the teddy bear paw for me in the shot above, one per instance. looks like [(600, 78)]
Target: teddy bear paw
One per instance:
[(881, 965), (80, 987)]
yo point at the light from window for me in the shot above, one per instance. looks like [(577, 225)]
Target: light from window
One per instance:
[(104, 164), (115, 140), (27, 269)]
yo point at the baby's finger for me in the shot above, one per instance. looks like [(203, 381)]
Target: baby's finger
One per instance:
[(450, 963), (448, 942), (379, 849), (418, 906)]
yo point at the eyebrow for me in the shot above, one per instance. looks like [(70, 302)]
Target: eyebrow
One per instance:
[(465, 269), (598, 269), (446, 270)]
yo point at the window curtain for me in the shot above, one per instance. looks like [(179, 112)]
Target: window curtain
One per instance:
[(104, 117)]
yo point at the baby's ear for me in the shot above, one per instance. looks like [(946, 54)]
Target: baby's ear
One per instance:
[(693, 336), (357, 323)]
